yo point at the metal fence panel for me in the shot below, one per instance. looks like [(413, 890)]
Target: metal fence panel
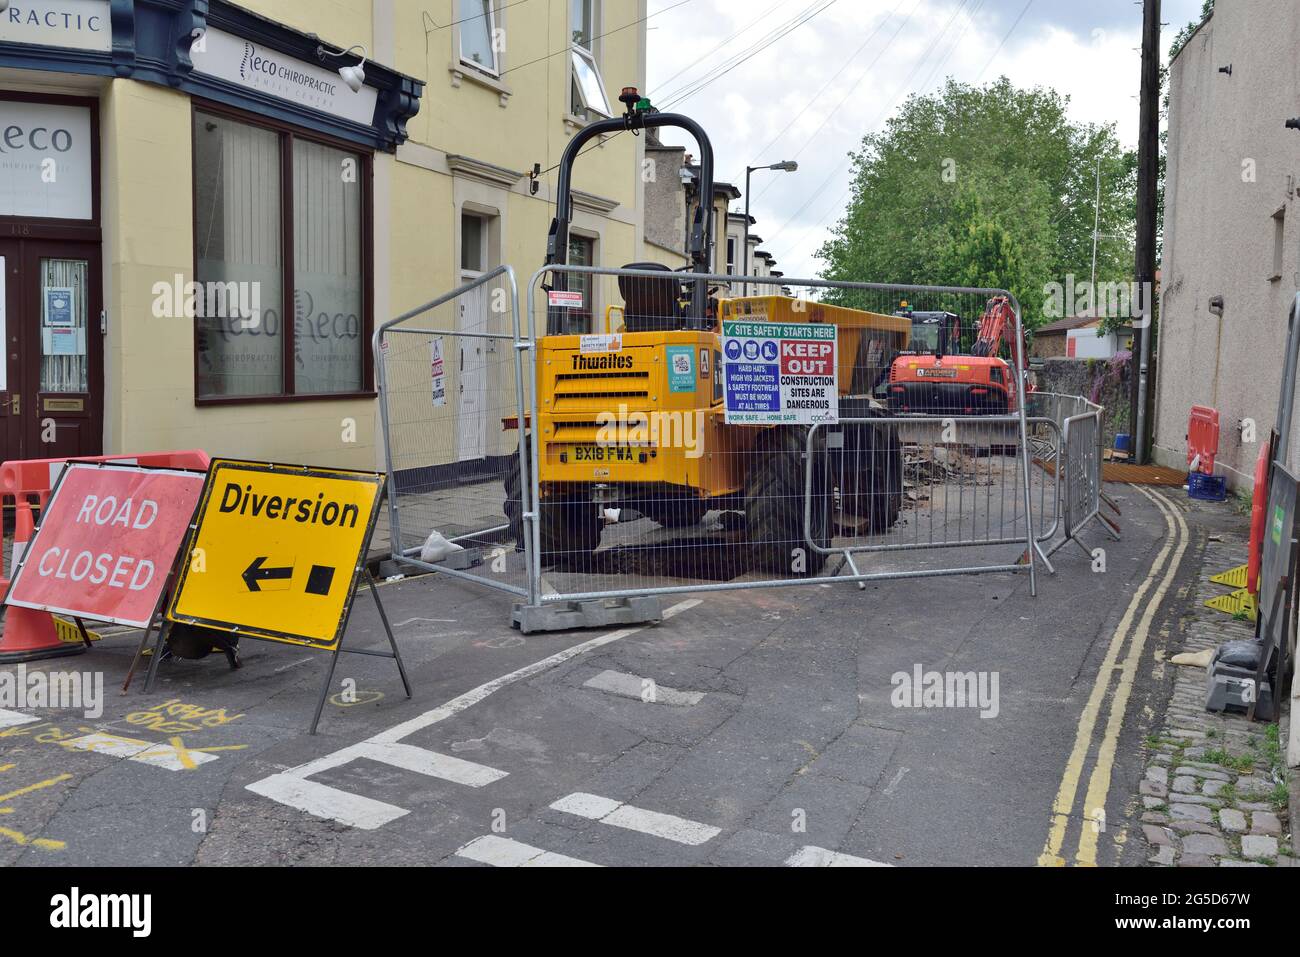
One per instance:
[(642, 485), (644, 488), (453, 385)]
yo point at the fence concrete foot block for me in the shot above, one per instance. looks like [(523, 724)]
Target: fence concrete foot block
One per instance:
[(596, 613), (460, 561)]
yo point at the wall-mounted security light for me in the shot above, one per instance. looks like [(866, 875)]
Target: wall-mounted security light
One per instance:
[(1216, 305), (1226, 69), (354, 75)]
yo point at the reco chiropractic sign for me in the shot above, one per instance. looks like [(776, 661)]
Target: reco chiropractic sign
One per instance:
[(45, 154), (106, 542), (70, 24), (254, 67)]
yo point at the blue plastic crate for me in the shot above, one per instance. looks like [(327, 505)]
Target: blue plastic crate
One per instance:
[(1211, 488)]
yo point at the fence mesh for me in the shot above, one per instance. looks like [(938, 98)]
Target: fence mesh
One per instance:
[(449, 375), (645, 486)]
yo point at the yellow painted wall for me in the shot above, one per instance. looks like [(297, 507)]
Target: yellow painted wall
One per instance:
[(148, 238), (149, 361)]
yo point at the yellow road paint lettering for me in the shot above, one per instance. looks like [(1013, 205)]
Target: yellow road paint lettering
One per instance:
[(34, 787), (22, 839)]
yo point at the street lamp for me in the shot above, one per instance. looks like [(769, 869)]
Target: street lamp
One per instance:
[(785, 166)]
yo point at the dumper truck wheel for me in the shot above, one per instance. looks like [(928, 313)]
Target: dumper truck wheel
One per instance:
[(672, 511), (869, 471), (569, 527), (774, 504), (514, 504)]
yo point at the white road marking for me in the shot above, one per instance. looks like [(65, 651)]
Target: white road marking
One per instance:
[(327, 802), (109, 744), (893, 783), (11, 719), (811, 856), (607, 811), (503, 852), (291, 787), (166, 756), (155, 755), (634, 686), (433, 764)]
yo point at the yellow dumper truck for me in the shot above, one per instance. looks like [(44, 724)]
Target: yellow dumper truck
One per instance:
[(635, 417)]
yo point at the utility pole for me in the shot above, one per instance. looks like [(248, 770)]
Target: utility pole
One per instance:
[(1145, 244), (1096, 225)]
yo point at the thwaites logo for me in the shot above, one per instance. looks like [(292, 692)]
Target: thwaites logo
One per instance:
[(601, 363)]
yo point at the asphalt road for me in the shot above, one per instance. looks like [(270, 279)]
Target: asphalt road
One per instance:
[(750, 728)]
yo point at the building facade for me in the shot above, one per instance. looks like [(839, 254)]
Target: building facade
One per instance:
[(1231, 263), (207, 208)]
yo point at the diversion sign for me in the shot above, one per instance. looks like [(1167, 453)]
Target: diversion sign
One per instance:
[(779, 373), (277, 550)]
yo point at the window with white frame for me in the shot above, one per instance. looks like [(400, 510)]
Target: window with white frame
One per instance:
[(588, 93), (478, 48)]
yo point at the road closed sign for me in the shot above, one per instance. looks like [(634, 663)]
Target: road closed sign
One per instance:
[(276, 551), (107, 541), (779, 373)]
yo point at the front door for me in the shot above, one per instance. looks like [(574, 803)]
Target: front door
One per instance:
[(51, 380), (471, 438)]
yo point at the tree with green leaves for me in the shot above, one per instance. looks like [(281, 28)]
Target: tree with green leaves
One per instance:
[(986, 186)]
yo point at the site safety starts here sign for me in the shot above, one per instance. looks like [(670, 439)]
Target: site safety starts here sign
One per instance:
[(778, 373), (276, 551), (107, 541)]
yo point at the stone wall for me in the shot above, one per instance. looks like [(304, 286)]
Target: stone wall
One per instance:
[(1104, 381)]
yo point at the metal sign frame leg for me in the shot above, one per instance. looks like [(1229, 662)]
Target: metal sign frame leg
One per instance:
[(334, 658), (164, 629)]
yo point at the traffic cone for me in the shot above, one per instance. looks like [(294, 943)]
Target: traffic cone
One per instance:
[(29, 634)]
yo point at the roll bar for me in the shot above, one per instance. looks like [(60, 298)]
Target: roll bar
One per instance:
[(639, 116)]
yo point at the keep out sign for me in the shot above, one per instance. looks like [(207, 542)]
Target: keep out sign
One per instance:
[(106, 542)]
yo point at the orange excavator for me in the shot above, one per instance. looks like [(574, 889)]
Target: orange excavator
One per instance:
[(931, 382)]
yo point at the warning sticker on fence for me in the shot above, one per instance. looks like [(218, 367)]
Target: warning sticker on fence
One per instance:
[(437, 372), (107, 541), (276, 551), (780, 373)]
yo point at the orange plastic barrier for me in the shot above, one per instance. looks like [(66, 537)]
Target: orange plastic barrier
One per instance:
[(1202, 438), (29, 634), (1258, 508)]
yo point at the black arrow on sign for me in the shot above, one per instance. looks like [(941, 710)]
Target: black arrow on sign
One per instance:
[(255, 573)]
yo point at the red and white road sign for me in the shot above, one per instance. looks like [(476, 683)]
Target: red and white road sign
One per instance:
[(107, 539)]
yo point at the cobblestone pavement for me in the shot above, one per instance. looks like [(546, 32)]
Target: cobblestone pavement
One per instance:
[(1215, 791)]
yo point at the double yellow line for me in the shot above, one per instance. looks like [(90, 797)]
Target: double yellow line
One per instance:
[(1132, 630)]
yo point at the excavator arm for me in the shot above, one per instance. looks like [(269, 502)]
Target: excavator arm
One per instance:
[(998, 318)]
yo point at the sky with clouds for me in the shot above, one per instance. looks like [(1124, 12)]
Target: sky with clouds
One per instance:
[(843, 66)]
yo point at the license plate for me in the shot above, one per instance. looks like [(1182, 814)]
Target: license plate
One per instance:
[(937, 373), (604, 453)]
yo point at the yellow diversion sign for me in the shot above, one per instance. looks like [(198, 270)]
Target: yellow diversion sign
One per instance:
[(276, 551)]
